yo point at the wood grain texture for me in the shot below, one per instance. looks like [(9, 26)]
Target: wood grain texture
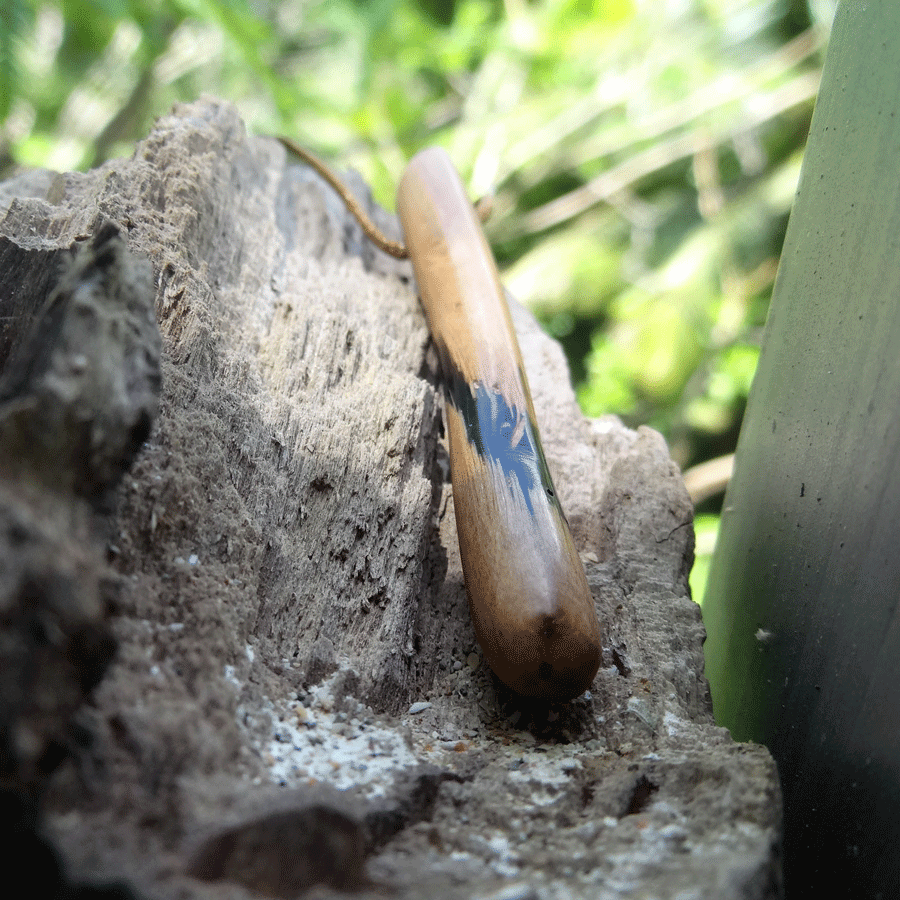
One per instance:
[(530, 602)]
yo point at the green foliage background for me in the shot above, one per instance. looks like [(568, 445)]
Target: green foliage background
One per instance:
[(644, 153)]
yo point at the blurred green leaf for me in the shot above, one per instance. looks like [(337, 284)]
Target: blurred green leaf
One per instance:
[(14, 19), (706, 531)]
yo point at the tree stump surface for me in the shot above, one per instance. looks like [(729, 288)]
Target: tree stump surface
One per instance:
[(297, 701)]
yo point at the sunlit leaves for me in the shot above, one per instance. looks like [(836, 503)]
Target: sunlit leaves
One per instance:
[(14, 18), (644, 154)]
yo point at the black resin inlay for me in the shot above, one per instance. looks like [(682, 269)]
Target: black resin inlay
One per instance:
[(501, 433)]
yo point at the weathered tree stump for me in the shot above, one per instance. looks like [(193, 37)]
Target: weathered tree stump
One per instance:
[(298, 698)]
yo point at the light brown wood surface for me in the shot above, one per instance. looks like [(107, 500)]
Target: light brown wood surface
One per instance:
[(530, 602)]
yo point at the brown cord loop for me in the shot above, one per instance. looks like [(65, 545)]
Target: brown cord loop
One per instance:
[(373, 232), (393, 248)]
